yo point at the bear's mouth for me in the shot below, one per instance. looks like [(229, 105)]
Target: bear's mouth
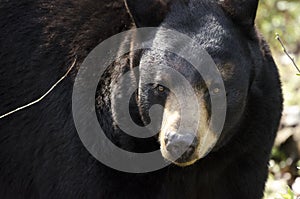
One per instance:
[(182, 161), (185, 164)]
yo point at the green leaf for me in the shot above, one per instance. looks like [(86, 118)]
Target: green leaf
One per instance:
[(289, 194)]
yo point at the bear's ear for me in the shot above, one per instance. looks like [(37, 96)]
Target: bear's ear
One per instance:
[(243, 12), (148, 13)]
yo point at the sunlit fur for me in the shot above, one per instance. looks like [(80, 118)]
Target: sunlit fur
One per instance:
[(171, 122)]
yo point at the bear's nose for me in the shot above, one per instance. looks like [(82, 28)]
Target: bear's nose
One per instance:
[(181, 147)]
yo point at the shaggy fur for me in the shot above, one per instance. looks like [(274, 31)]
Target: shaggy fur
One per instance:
[(41, 155)]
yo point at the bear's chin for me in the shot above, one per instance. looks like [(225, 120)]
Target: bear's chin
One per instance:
[(185, 164), (178, 162)]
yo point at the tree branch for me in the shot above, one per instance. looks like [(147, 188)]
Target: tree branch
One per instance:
[(286, 52)]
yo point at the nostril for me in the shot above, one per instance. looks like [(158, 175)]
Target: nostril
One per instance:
[(166, 141), (171, 135), (190, 150), (194, 143)]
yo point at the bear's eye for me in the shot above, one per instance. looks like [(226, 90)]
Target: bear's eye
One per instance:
[(160, 88), (216, 90)]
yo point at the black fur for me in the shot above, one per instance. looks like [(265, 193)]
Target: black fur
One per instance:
[(41, 155)]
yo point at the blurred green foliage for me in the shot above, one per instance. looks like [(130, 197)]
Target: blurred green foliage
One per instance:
[(283, 17), (289, 194)]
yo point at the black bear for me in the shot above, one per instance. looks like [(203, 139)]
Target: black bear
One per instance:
[(41, 154)]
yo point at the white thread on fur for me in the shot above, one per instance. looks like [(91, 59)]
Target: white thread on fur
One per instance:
[(43, 96)]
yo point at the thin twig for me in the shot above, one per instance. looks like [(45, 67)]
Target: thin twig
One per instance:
[(43, 96), (286, 52)]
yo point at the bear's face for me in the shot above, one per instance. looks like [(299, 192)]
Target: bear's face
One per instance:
[(225, 30)]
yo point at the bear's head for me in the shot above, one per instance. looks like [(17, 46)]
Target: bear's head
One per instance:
[(223, 28)]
